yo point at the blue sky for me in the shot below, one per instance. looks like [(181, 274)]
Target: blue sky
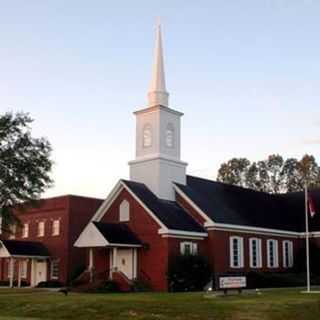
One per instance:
[(245, 73)]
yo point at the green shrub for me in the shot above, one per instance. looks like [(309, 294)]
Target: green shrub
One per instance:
[(188, 273), (49, 284), (141, 286), (108, 287)]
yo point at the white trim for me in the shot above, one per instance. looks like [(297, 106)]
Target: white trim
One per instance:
[(218, 226), (240, 252), (181, 237), (124, 245), (157, 156), (315, 234), (193, 205), (91, 237), (258, 253), (107, 202), (182, 233), (5, 253), (30, 257), (275, 245)]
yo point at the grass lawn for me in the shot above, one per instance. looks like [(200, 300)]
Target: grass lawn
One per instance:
[(274, 304)]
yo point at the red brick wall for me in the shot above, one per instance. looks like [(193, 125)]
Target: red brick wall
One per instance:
[(74, 213), (81, 211), (219, 243), (152, 260)]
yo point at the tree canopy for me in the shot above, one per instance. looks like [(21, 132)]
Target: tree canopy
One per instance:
[(273, 175), (25, 165)]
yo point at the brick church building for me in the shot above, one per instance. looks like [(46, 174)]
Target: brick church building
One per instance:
[(161, 212)]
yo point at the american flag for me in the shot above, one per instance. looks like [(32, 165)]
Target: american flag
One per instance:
[(312, 207)]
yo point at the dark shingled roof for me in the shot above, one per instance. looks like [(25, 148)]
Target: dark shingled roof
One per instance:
[(25, 248), (117, 233), (229, 204), (168, 212)]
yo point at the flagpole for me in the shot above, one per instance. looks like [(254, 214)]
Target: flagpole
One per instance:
[(307, 237)]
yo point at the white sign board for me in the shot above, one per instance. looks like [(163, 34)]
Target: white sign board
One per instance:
[(232, 282)]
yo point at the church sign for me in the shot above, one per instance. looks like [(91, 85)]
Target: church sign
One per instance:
[(232, 282)]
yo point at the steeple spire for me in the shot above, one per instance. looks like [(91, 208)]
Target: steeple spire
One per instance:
[(158, 94)]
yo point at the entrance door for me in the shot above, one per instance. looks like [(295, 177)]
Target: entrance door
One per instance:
[(125, 262), (41, 271)]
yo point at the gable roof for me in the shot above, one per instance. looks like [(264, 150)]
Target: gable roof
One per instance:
[(171, 214), (234, 205), (25, 248), (117, 233)]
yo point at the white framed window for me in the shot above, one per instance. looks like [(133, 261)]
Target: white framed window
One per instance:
[(188, 248), (255, 253), (170, 135), (54, 269), (25, 230), (272, 253), (147, 136), (56, 227), (41, 229), (287, 254), (124, 211), (24, 268), (13, 230), (236, 252)]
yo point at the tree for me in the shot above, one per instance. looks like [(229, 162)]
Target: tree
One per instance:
[(235, 171), (273, 175), (25, 165)]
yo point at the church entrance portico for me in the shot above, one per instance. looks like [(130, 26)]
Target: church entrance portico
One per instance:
[(124, 260)]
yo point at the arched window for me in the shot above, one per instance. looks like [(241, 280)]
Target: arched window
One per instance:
[(147, 136), (124, 211), (170, 135)]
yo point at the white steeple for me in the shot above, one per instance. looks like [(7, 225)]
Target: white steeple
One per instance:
[(158, 94), (157, 163)]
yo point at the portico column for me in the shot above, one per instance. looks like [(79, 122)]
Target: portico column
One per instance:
[(135, 263), (114, 260), (19, 273), (91, 264), (11, 261)]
